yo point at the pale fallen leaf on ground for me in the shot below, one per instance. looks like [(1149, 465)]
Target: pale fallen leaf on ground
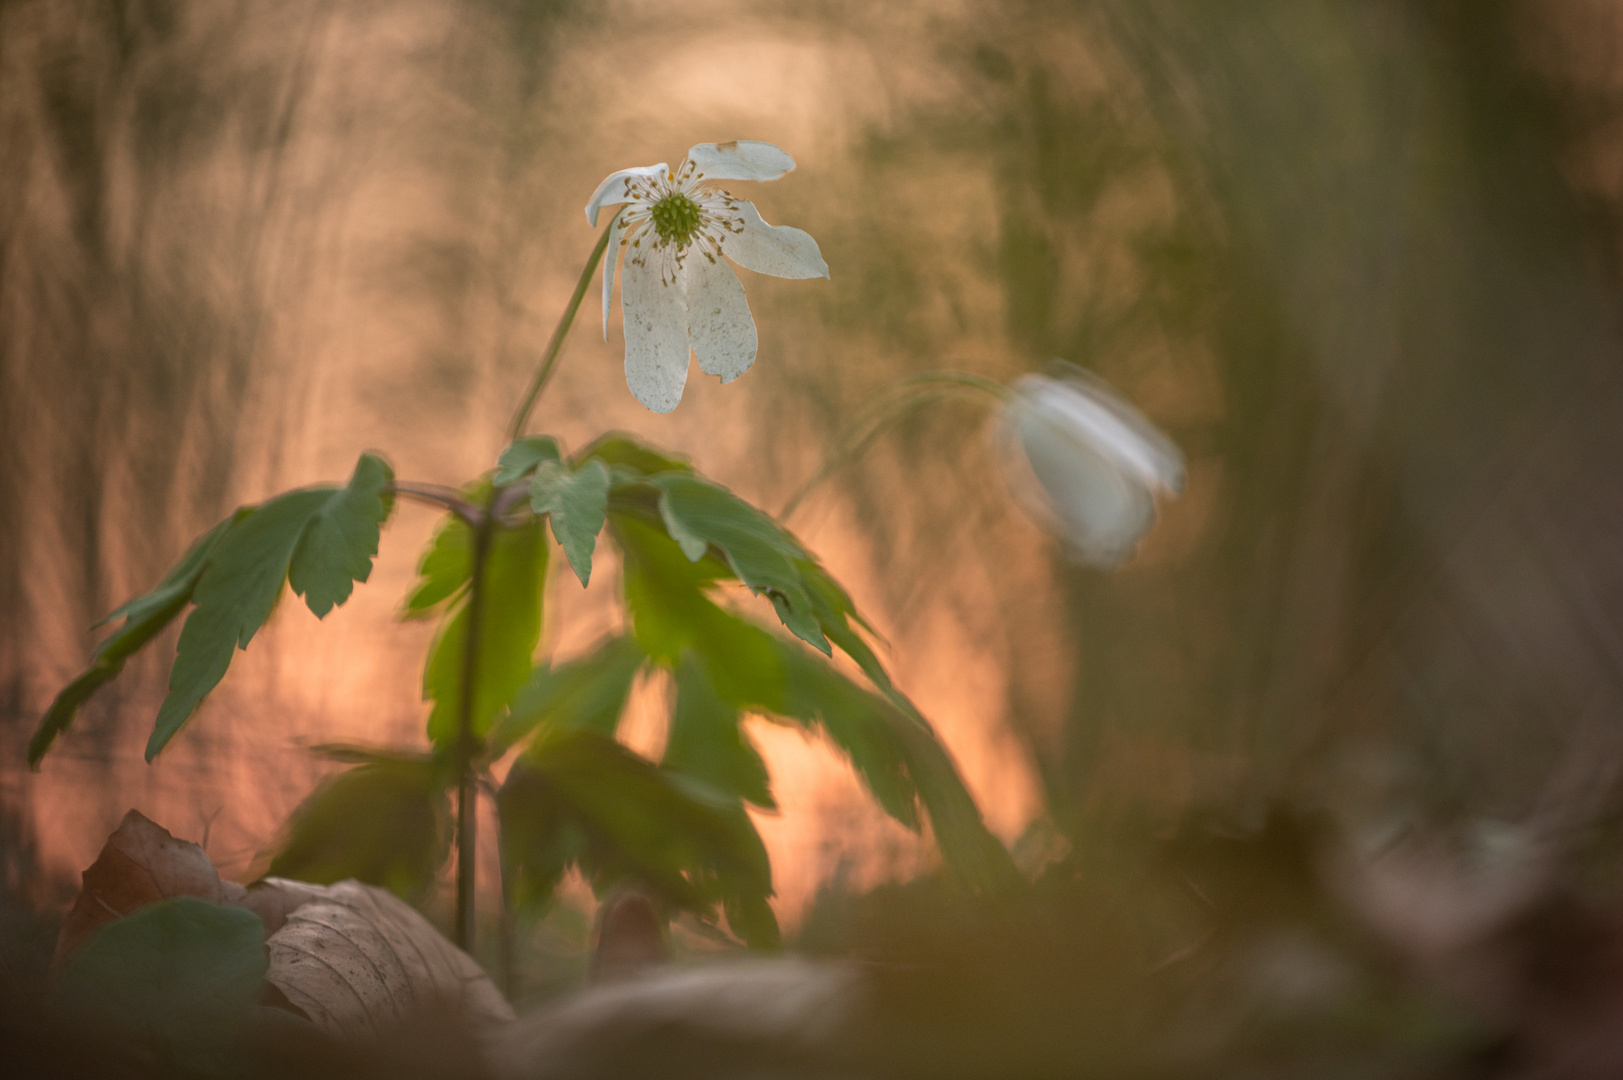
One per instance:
[(140, 864), (782, 1016), (274, 899), (360, 963)]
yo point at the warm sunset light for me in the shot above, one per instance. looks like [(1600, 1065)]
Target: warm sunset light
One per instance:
[(1008, 540)]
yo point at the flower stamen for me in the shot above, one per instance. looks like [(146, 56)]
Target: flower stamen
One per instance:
[(677, 212), (676, 219)]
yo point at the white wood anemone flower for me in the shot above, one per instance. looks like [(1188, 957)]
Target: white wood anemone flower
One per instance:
[(677, 293), (1085, 464)]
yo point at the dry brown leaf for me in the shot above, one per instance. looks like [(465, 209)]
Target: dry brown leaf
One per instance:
[(140, 864), (361, 964)]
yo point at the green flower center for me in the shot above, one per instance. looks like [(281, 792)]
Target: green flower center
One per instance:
[(676, 219)]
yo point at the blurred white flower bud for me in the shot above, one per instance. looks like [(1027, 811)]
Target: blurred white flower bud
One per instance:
[(1085, 464)]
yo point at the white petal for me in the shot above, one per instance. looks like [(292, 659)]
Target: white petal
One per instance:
[(779, 250), (1077, 493), (1091, 408), (719, 324), (613, 188), (611, 258), (656, 329), (741, 159)]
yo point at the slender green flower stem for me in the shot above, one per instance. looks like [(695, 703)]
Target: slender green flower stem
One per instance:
[(549, 358), (897, 401), (467, 790)]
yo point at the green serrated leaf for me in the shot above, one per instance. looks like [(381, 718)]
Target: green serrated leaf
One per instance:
[(386, 823), (899, 758), (342, 538), (707, 741), (968, 847), (576, 501), (588, 692), (577, 795), (671, 617), (65, 706), (144, 617), (176, 585), (176, 978), (698, 514), (510, 627), (861, 724), (539, 838), (834, 612), (444, 568), (524, 455), (234, 597), (618, 450)]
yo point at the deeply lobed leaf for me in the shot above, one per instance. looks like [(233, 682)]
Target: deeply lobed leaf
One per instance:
[(588, 692), (576, 501), (625, 452), (707, 742), (699, 514), (444, 569), (234, 598), (522, 456), (144, 617), (579, 795), (673, 616), (244, 572), (341, 540)]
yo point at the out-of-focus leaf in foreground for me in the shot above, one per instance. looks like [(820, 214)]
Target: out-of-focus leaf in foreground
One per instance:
[(176, 978), (444, 569)]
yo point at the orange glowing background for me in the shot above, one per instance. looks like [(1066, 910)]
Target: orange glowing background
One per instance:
[(402, 245), (244, 242)]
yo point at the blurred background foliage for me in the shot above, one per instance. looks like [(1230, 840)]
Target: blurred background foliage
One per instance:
[(1356, 256)]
